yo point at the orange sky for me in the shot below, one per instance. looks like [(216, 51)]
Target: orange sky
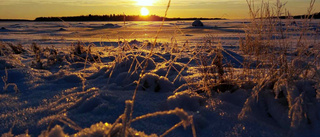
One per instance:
[(30, 9)]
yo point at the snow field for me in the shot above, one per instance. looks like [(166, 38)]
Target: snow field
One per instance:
[(266, 86)]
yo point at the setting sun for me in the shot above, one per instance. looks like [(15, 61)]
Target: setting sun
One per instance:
[(144, 11)]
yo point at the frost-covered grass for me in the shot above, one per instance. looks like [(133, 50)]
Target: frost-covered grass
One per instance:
[(290, 81), (266, 84)]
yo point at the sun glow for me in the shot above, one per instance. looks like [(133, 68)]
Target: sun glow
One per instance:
[(144, 11), (145, 2)]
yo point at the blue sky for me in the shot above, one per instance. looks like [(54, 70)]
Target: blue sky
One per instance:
[(30, 9)]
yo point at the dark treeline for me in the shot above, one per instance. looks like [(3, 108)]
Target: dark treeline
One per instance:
[(174, 19), (314, 16), (119, 17), (114, 17)]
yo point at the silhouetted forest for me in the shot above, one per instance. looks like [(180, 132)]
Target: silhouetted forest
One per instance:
[(114, 17), (315, 16), (120, 17)]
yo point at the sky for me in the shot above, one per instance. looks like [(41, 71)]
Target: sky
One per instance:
[(231, 9)]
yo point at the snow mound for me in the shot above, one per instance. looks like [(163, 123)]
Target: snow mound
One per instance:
[(62, 29), (172, 71), (96, 130), (99, 73), (49, 58), (101, 129), (153, 82), (186, 100), (229, 57), (57, 131), (105, 26), (3, 29), (9, 48), (8, 63), (123, 72), (16, 75), (126, 78), (132, 63), (237, 98), (71, 78), (298, 63), (172, 68), (293, 106), (82, 53), (89, 104), (266, 108), (109, 25)]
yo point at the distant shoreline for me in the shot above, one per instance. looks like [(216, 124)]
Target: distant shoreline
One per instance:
[(114, 17), (119, 17), (182, 19), (111, 17)]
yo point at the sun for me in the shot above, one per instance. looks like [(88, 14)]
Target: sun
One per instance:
[(144, 11)]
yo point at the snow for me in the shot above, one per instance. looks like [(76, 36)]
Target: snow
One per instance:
[(156, 83), (79, 78), (186, 100)]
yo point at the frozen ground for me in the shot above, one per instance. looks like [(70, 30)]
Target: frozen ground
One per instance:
[(63, 33), (75, 77)]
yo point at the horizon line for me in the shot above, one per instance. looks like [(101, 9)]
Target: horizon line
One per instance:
[(87, 15)]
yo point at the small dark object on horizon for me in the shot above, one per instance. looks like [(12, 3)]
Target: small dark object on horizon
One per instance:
[(197, 23), (3, 28), (109, 25), (62, 29)]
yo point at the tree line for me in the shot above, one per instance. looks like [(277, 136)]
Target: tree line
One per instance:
[(114, 17)]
